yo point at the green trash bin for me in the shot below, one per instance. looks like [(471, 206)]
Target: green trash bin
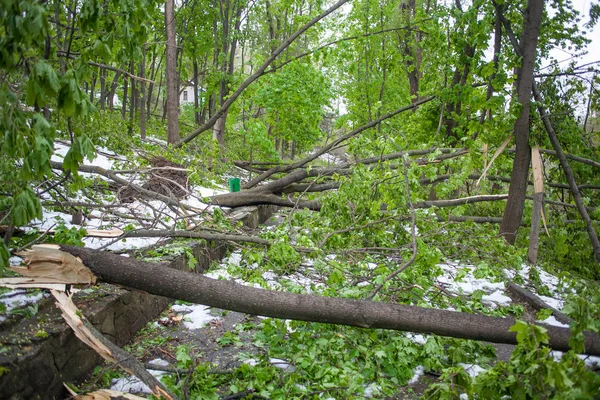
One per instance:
[(234, 185)]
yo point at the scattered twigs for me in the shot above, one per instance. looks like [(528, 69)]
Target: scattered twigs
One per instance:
[(113, 176), (413, 232), (196, 235), (353, 228), (460, 201)]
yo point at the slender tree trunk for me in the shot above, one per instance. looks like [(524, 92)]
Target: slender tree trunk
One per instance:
[(125, 94), (92, 88), (142, 100), (102, 73), (113, 89), (171, 72), (196, 86), (133, 102), (513, 212)]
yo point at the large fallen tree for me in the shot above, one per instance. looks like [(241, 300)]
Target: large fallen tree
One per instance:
[(160, 280)]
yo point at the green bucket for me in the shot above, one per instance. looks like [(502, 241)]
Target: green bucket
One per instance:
[(234, 185)]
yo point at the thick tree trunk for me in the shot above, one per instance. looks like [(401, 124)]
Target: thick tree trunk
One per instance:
[(518, 185), (171, 72), (163, 281)]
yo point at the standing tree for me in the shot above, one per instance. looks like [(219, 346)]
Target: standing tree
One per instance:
[(518, 183), (171, 73)]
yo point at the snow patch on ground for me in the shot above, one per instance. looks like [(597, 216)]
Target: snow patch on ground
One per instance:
[(419, 372), (417, 338), (551, 320), (18, 298), (590, 361), (132, 384), (277, 362), (372, 389), (496, 298), (472, 369), (196, 316)]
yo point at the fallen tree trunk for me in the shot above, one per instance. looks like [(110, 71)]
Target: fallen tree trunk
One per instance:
[(157, 279)]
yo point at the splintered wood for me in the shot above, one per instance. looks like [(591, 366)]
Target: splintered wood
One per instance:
[(48, 264)]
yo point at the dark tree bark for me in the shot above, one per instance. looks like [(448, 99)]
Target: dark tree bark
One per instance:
[(518, 185), (142, 100), (171, 72), (102, 100), (410, 44), (196, 81), (125, 97), (132, 101), (163, 281)]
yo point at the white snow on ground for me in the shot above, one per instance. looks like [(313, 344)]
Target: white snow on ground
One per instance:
[(277, 362), (417, 338), (208, 192), (196, 316), (104, 157), (553, 302), (18, 298), (496, 298), (331, 158), (159, 362), (590, 361), (132, 384), (372, 389), (472, 369), (468, 283), (553, 321), (419, 372)]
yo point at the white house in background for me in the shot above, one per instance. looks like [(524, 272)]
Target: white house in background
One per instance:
[(187, 95)]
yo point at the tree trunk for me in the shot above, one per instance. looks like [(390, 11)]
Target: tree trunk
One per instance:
[(142, 100), (163, 281), (171, 72), (103, 94), (132, 101), (196, 86), (518, 183), (125, 94)]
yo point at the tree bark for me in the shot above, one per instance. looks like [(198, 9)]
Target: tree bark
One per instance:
[(171, 72), (163, 281), (142, 100), (518, 185)]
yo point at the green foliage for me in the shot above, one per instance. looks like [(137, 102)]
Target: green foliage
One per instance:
[(294, 99), (64, 235), (531, 373), (27, 312)]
